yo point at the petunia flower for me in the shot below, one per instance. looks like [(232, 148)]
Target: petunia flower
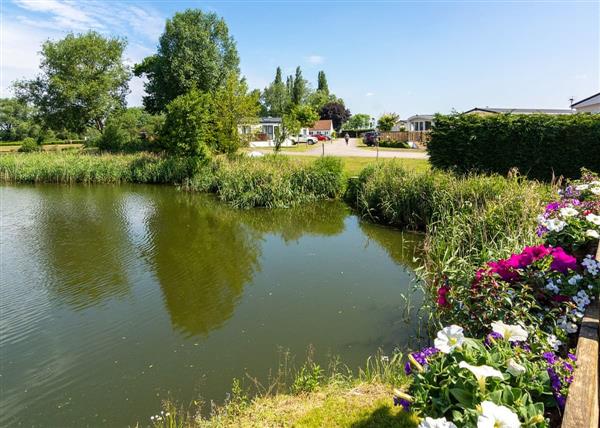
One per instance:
[(494, 416), (515, 368), (481, 373), (512, 333), (449, 338), (436, 423), (593, 218)]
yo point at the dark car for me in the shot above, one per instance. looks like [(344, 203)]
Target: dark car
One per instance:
[(370, 138)]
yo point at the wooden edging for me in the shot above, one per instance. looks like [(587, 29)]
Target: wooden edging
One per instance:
[(581, 410)]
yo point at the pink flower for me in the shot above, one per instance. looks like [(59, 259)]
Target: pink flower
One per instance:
[(442, 292), (562, 261), (504, 270)]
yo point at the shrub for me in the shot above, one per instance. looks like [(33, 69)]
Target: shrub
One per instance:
[(539, 145), (29, 145), (188, 128), (394, 144), (130, 130)]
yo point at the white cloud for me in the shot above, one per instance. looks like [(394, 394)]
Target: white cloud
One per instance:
[(315, 59), (369, 94)]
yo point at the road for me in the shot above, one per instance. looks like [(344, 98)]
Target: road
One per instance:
[(339, 148)]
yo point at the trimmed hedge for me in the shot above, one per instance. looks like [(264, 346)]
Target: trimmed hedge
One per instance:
[(539, 145)]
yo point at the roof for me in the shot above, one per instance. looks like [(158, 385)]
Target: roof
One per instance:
[(269, 119), (586, 99), (521, 110), (421, 116), (322, 125)]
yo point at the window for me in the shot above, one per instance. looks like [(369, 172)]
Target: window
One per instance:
[(427, 125)]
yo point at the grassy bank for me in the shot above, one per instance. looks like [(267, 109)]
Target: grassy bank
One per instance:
[(468, 220), (271, 181), (307, 397)]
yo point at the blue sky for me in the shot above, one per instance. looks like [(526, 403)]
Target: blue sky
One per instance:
[(380, 56)]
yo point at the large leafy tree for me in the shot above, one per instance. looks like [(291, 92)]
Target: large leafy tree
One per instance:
[(276, 98), (233, 105), (15, 119), (305, 115), (195, 51), (387, 121), (189, 125), (83, 81), (337, 112), (358, 121)]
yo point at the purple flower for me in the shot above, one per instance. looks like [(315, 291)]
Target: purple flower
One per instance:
[(572, 357), (568, 367), (430, 351), (550, 357), (492, 336), (407, 368), (554, 379), (562, 261), (523, 345), (560, 400), (402, 402), (551, 207)]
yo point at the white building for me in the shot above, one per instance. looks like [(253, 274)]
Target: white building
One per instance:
[(419, 122), (322, 127), (589, 104), (262, 134)]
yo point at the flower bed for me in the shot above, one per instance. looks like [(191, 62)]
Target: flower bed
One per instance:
[(527, 309)]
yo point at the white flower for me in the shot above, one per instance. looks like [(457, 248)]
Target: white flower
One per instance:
[(568, 212), (575, 279), (593, 218), (566, 325), (591, 233), (512, 333), (554, 342), (581, 187), (436, 423), (552, 287), (515, 368), (494, 416), (581, 299), (595, 190), (554, 225), (481, 373), (449, 338)]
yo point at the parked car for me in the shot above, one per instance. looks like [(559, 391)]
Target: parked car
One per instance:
[(370, 138), (308, 139), (321, 137)]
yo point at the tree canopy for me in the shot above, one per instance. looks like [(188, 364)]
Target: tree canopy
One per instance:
[(337, 112), (83, 81), (15, 119), (322, 83), (276, 98), (194, 51), (358, 121), (300, 89), (387, 121)]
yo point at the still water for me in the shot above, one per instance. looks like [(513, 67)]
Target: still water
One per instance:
[(113, 298)]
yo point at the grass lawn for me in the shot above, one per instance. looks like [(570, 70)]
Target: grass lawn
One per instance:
[(353, 165), (302, 147), (365, 405)]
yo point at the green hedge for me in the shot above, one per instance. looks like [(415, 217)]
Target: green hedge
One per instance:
[(539, 145)]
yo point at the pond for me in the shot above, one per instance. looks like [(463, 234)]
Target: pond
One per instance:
[(114, 298)]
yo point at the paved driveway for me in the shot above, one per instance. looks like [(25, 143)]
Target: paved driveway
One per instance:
[(338, 147)]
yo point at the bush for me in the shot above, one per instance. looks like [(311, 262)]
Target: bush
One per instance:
[(539, 145), (29, 145), (130, 130), (394, 144), (189, 128)]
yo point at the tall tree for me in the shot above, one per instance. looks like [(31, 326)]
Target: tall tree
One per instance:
[(233, 105), (387, 121), (195, 51), (337, 112), (322, 83), (358, 121), (15, 119), (300, 89), (83, 80), (275, 98), (289, 85)]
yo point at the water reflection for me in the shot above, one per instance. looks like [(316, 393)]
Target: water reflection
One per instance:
[(82, 242), (404, 248)]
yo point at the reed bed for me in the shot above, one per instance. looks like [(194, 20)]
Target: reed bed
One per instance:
[(468, 220), (272, 181)]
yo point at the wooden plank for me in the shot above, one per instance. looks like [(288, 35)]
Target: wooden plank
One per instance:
[(581, 410)]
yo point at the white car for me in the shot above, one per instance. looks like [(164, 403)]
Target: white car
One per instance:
[(308, 139)]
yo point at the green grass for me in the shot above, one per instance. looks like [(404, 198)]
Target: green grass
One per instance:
[(468, 219), (353, 165)]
